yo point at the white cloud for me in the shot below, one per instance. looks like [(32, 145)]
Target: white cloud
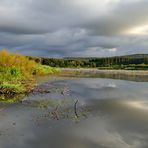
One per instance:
[(112, 49)]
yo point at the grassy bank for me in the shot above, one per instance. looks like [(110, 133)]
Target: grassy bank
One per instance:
[(17, 73)]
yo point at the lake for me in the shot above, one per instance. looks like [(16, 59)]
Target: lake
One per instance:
[(78, 113)]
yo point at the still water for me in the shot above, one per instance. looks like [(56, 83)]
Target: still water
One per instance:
[(111, 114)]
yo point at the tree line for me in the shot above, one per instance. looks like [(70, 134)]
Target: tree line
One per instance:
[(122, 62)]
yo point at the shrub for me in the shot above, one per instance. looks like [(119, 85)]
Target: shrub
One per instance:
[(17, 63), (44, 70)]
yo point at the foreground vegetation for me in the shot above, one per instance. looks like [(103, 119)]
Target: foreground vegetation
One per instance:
[(17, 72)]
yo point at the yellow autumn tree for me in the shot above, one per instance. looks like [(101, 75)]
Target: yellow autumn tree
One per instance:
[(8, 60)]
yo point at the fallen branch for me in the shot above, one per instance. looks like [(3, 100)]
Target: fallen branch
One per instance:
[(55, 113), (75, 109)]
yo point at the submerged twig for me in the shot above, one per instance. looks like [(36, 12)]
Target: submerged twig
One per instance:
[(75, 109), (55, 113)]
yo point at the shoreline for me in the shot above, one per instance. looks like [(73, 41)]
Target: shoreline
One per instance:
[(97, 71), (129, 75), (132, 75)]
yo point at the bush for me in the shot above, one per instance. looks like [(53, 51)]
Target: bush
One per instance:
[(44, 70), (17, 63)]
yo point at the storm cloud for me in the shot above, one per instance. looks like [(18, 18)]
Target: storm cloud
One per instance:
[(59, 28)]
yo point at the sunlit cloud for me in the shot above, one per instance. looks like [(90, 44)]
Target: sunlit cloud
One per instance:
[(140, 30)]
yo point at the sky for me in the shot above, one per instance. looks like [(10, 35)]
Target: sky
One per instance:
[(75, 28)]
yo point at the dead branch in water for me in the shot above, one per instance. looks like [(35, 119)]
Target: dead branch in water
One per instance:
[(75, 109), (55, 113)]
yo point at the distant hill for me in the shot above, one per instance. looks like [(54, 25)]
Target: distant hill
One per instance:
[(123, 56), (136, 56)]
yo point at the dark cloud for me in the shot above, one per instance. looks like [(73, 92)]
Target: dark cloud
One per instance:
[(74, 28)]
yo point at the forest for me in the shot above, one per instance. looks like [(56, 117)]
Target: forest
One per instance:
[(128, 62)]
